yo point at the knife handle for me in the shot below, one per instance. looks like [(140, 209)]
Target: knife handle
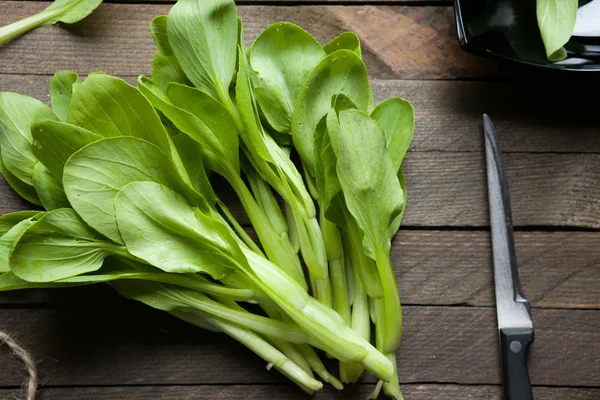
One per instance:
[(514, 343)]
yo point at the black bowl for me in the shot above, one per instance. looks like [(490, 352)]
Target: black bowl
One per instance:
[(508, 29)]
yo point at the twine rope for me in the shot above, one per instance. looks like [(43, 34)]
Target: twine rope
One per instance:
[(32, 383)]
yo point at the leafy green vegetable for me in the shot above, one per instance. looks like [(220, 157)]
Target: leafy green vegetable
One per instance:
[(159, 226), (203, 40), (55, 142), (347, 40), (16, 115), (57, 246), (283, 55), (61, 90), (49, 188), (66, 11), (340, 72), (158, 28), (136, 166), (94, 175), (556, 21), (24, 190), (374, 197)]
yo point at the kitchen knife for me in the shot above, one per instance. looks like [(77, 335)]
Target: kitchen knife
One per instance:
[(515, 327)]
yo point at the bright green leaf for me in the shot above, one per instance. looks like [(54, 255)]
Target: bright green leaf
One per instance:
[(94, 175), (24, 190), (158, 29), (8, 240), (55, 142), (111, 107), (341, 72), (347, 40), (59, 245), (188, 151), (283, 55), (166, 69), (7, 221), (203, 37), (397, 119), (49, 188), (61, 90), (66, 11), (556, 21), (221, 136), (369, 182), (160, 227), (17, 113)]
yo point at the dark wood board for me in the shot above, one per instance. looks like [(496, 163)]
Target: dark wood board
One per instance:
[(132, 344), (449, 189), (261, 392), (529, 117), (557, 269), (409, 42)]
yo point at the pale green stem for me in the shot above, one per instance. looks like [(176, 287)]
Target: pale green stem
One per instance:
[(18, 28), (317, 365), (258, 345), (238, 228)]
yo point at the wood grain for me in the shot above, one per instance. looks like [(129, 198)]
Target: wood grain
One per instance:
[(398, 41), (529, 117), (449, 189), (132, 344), (557, 269), (261, 392)]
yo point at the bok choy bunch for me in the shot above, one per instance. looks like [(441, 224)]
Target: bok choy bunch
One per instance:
[(123, 180)]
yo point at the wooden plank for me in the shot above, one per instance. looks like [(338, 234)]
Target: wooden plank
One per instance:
[(558, 270), (449, 189), (407, 41), (132, 344), (292, 2), (529, 117), (261, 392)]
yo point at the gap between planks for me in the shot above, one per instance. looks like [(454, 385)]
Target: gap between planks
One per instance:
[(289, 392), (122, 345)]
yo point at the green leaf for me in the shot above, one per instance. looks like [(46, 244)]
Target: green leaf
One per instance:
[(17, 113), (340, 72), (49, 188), (221, 136), (283, 55), (166, 69), (203, 36), (160, 227), (186, 122), (8, 221), (158, 29), (59, 245), (61, 90), (397, 119), (369, 182), (8, 281), (556, 21), (398, 220), (253, 134), (111, 107), (24, 190), (66, 11), (8, 240), (374, 197), (328, 183), (188, 151), (55, 142), (94, 175), (347, 40)]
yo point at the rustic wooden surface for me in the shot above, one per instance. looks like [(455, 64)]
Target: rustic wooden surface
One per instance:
[(92, 344)]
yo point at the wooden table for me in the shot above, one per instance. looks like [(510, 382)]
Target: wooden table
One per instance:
[(91, 344)]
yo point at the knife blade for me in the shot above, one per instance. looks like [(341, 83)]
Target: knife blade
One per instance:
[(515, 327)]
